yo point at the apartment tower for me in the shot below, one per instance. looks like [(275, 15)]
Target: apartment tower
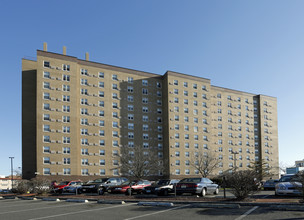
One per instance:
[(77, 114)]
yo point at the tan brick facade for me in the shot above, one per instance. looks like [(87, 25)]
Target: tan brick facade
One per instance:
[(77, 114)]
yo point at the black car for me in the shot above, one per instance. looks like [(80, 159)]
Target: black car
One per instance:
[(162, 187), (101, 185)]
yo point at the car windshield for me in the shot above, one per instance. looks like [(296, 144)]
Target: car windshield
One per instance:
[(287, 178), (100, 180), (126, 183), (163, 182), (190, 180)]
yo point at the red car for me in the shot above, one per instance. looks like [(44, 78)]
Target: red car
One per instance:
[(59, 188), (130, 187)]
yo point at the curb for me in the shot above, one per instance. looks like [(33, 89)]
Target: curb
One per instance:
[(287, 207), (216, 205), (110, 202), (50, 199), (77, 200), (27, 198), (155, 204), (10, 197)]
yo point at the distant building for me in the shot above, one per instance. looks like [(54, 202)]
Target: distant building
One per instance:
[(76, 114), (299, 163), (293, 170), (5, 183)]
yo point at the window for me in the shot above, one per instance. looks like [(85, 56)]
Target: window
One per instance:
[(145, 100), (46, 128), (175, 100), (145, 82), (130, 107), (46, 171), (177, 153), (130, 117), (145, 127), (66, 129), (130, 135), (114, 77), (158, 85), (145, 118), (66, 161), (101, 142), (84, 72), (145, 91), (46, 64), (46, 85), (84, 82), (66, 171), (46, 160), (102, 152), (84, 172), (65, 88), (101, 113), (131, 126), (145, 109), (66, 150), (84, 92), (65, 98), (175, 82), (101, 75), (46, 139), (66, 77), (46, 149), (186, 119), (130, 89), (101, 84), (46, 75), (102, 162), (84, 141), (177, 162), (159, 93), (186, 93), (101, 94), (185, 84)]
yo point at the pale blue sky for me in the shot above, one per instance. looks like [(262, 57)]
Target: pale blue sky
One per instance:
[(253, 46)]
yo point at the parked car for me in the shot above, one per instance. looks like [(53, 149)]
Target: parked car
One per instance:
[(73, 188), (197, 186), (270, 184), (130, 187), (162, 187), (59, 188), (288, 185), (101, 185)]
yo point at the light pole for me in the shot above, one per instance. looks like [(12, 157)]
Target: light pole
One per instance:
[(234, 158), (12, 171)]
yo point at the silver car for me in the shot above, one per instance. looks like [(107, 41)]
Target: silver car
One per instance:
[(288, 185), (198, 186)]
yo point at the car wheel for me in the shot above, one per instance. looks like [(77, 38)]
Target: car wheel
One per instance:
[(100, 191), (216, 192), (203, 192), (129, 192), (165, 193)]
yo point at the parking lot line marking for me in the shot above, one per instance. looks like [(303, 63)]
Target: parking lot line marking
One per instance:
[(59, 206), (247, 213), (72, 213), (154, 213)]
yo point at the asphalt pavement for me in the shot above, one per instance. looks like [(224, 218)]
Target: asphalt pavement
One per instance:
[(17, 209)]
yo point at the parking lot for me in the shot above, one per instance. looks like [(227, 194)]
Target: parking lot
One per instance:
[(38, 209)]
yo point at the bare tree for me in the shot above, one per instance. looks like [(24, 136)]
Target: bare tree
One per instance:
[(261, 168), (298, 183), (242, 183), (204, 162), (139, 162)]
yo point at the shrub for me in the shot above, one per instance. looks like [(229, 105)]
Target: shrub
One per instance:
[(40, 185), (21, 186), (243, 183)]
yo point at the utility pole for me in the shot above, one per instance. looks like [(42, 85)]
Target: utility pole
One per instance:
[(234, 157), (12, 171)]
